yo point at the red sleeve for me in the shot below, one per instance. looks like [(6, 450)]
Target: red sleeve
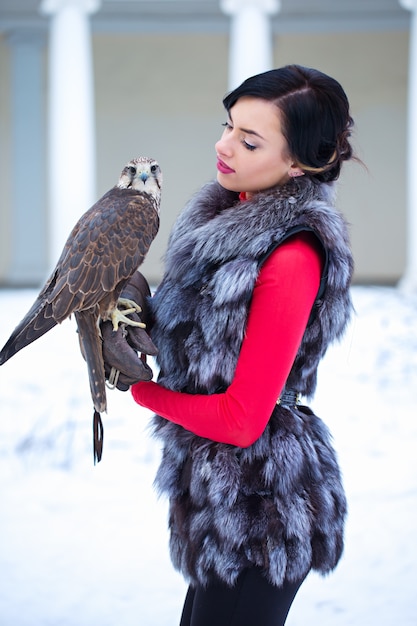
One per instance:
[(284, 293)]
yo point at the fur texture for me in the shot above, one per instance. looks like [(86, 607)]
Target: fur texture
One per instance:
[(278, 504)]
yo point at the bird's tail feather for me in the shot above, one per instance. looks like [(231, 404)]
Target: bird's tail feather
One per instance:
[(92, 350), (37, 321)]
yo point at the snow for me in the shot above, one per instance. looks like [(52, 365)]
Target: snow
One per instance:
[(83, 544)]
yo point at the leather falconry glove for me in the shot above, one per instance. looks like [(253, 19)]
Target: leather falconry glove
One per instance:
[(122, 363)]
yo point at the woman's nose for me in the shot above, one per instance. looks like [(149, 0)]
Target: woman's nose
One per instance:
[(223, 146)]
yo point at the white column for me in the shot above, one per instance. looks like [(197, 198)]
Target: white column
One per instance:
[(409, 280), (71, 171), (251, 49)]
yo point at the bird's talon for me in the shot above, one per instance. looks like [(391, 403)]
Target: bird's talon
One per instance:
[(119, 316), (128, 311), (129, 304)]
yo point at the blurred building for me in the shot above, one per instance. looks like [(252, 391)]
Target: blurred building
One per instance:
[(160, 71)]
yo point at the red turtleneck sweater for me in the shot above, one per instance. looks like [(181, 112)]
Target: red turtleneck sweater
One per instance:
[(284, 293)]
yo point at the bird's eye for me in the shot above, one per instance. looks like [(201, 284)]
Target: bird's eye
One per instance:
[(132, 170), (154, 168)]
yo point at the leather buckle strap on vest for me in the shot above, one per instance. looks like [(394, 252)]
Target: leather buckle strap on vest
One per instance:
[(289, 398)]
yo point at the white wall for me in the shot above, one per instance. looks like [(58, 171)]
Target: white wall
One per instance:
[(161, 95)]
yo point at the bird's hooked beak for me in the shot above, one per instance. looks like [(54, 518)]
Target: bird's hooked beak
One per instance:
[(144, 177)]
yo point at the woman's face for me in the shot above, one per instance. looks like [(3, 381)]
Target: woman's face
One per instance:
[(252, 154)]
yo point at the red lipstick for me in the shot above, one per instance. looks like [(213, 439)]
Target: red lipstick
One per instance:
[(223, 168)]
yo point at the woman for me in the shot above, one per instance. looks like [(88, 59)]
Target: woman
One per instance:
[(256, 287)]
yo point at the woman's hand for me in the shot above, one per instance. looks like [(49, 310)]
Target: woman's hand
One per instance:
[(123, 364)]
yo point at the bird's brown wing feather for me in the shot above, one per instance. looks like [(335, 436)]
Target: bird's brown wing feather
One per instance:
[(106, 248)]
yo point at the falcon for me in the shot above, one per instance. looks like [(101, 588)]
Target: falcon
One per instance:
[(103, 251)]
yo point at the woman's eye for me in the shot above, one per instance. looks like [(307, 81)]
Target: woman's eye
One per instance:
[(248, 146)]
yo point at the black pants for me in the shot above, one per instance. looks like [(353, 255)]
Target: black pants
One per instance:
[(253, 601)]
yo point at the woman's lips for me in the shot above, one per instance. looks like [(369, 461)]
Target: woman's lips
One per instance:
[(223, 168)]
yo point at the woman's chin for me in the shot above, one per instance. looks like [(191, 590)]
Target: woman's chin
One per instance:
[(223, 180)]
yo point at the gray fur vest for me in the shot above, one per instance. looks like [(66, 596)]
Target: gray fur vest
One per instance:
[(278, 504)]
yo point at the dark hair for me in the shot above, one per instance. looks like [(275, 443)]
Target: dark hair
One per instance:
[(316, 122)]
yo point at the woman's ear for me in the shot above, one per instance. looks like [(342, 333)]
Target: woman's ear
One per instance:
[(295, 171)]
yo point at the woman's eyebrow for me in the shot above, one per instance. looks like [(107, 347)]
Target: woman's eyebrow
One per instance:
[(252, 132), (248, 131)]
